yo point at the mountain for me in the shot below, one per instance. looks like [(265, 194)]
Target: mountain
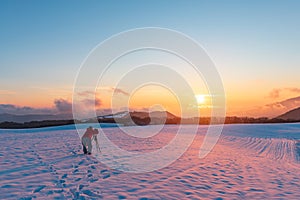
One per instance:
[(5, 117), (141, 118), (271, 110), (154, 114), (162, 114), (291, 115)]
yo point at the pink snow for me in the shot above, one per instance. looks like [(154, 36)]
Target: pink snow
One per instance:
[(248, 162)]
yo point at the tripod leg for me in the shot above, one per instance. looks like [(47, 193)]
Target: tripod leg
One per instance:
[(97, 145)]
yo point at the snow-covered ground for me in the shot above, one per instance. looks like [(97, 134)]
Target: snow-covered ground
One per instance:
[(248, 162)]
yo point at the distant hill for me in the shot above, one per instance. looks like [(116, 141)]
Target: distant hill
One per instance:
[(125, 114), (291, 115), (141, 118), (136, 118), (272, 110), (5, 117), (35, 124)]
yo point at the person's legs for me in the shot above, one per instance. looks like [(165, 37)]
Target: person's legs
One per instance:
[(85, 144), (84, 148), (89, 144)]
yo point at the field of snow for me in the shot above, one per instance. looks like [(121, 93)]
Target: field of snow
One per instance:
[(248, 162)]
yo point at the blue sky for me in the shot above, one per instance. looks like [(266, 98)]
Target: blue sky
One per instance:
[(44, 42)]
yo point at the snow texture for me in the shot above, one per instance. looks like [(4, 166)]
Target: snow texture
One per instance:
[(248, 162)]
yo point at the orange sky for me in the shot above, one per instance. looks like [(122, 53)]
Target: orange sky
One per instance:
[(240, 101), (255, 48)]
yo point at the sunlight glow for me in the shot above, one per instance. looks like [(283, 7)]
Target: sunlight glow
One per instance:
[(200, 99)]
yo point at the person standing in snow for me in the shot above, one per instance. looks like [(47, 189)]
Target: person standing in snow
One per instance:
[(86, 140)]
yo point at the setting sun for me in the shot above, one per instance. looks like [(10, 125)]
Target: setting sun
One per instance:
[(200, 98)]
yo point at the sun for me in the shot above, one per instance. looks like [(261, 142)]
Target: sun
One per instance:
[(200, 98)]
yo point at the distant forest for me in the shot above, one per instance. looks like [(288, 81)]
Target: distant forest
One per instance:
[(145, 121)]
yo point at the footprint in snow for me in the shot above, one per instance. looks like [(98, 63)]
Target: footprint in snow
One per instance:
[(105, 176), (81, 162), (93, 180), (62, 181), (91, 194), (103, 171), (93, 167), (81, 186), (64, 176), (39, 188)]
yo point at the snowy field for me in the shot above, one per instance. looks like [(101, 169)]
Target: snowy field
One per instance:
[(248, 162)]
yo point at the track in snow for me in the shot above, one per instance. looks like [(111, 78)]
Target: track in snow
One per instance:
[(49, 164)]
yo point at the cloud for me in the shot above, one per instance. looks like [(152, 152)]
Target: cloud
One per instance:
[(89, 100), (286, 104), (23, 110), (281, 107), (60, 106), (107, 89), (103, 111), (86, 106), (295, 90), (119, 91), (274, 109), (63, 106), (7, 92), (92, 102), (115, 90), (86, 93), (276, 92)]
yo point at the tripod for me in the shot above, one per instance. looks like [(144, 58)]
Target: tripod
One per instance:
[(97, 144)]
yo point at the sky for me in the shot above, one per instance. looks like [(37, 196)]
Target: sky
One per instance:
[(255, 46)]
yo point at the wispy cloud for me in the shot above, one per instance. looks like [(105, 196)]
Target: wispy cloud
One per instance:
[(7, 92), (103, 111), (86, 93), (286, 104), (114, 90), (89, 99), (92, 102), (119, 91), (276, 92), (274, 109), (293, 89)]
